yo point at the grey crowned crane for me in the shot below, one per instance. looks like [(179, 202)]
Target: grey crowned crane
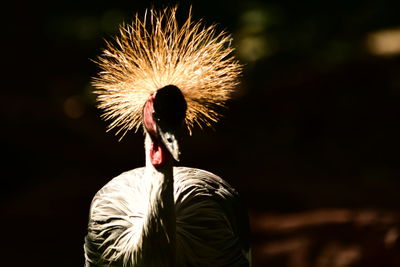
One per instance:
[(160, 76)]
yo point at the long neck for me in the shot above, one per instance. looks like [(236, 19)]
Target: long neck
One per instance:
[(160, 225)]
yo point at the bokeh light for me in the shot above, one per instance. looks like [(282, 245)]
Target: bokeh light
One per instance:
[(311, 141)]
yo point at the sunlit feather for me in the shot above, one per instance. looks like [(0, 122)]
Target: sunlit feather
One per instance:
[(154, 51)]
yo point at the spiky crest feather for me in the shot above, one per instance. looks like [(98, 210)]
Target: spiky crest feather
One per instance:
[(154, 52)]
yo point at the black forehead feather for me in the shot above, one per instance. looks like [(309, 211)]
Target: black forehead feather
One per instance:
[(170, 105)]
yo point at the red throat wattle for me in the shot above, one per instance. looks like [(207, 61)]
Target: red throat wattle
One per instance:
[(159, 155)]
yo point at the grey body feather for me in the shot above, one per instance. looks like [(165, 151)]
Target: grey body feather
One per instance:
[(211, 224)]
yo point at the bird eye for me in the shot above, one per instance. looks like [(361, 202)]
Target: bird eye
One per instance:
[(155, 117)]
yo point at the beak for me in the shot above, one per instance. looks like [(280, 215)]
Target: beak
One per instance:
[(171, 142)]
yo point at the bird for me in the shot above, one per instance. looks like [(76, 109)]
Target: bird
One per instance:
[(165, 77)]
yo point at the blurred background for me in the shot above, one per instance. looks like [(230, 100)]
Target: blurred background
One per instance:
[(310, 140)]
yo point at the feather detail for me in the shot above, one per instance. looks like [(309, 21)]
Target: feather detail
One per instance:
[(155, 51), (209, 228)]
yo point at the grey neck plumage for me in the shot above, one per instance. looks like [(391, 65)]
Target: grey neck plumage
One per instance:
[(160, 222)]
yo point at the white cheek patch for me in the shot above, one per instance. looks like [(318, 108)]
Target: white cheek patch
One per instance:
[(148, 119)]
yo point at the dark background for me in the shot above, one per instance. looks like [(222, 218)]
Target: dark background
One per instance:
[(314, 124)]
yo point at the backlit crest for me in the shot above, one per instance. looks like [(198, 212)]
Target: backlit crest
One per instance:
[(154, 51)]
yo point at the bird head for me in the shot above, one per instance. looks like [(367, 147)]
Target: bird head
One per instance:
[(159, 74), (163, 116)]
